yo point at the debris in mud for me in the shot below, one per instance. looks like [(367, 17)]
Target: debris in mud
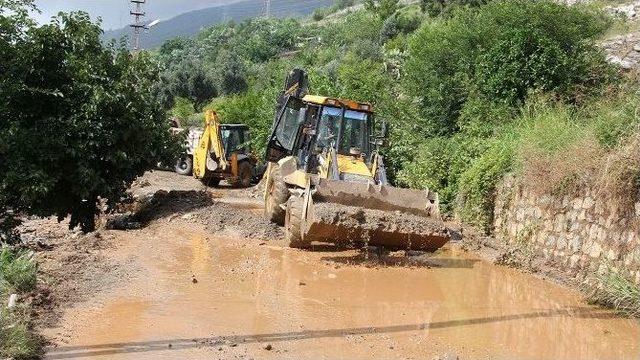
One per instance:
[(380, 257), (68, 260), (222, 216), (124, 221)]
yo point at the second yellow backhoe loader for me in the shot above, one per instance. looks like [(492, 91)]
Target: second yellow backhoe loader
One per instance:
[(223, 153), (326, 180)]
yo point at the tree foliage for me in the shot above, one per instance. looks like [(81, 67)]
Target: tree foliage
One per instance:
[(187, 79), (79, 120), (382, 8), (503, 51), (231, 73), (438, 7)]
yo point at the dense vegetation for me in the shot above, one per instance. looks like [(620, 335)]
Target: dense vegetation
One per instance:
[(472, 89), (79, 120)]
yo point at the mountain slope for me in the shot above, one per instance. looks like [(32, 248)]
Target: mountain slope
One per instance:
[(191, 23)]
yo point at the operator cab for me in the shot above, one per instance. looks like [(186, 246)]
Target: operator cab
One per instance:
[(322, 123), (235, 138)]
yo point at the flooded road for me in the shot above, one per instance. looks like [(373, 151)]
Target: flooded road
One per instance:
[(193, 295)]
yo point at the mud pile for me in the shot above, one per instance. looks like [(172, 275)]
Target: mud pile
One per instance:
[(220, 216), (376, 227)]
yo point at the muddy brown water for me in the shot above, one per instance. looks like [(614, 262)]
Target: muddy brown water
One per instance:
[(326, 305)]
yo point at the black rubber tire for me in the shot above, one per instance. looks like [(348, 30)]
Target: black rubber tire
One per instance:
[(211, 181), (277, 194), (184, 165), (293, 223), (245, 175)]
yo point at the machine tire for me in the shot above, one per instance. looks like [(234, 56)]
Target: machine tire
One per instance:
[(245, 175), (184, 165), (277, 194), (293, 223), (209, 180)]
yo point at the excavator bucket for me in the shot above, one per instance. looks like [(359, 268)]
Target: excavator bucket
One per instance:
[(344, 212)]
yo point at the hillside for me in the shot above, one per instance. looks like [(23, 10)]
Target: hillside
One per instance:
[(191, 23)]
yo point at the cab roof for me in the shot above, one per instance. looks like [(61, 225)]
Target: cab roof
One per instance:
[(349, 104), (241, 126)]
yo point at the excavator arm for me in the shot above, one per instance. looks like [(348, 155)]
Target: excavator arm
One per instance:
[(211, 142)]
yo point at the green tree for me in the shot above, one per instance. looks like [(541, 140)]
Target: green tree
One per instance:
[(503, 51), (79, 120), (382, 8), (231, 73), (187, 79)]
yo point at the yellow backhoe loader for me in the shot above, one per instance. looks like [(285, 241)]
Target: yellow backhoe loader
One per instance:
[(326, 180), (223, 153)]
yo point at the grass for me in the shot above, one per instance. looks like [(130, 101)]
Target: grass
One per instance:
[(17, 340), (613, 290), (18, 274), (17, 271)]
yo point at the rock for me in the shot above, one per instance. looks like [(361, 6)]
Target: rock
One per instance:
[(595, 250), (122, 222), (13, 301), (268, 347), (588, 203), (193, 279), (613, 254), (302, 283), (575, 243)]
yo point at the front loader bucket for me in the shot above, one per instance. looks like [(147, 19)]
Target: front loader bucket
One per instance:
[(343, 212)]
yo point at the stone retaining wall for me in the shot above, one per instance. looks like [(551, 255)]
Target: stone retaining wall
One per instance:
[(580, 234)]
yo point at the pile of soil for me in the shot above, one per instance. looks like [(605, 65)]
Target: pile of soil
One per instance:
[(221, 216), (394, 229)]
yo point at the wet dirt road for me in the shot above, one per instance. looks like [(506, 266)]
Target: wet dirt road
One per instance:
[(191, 294)]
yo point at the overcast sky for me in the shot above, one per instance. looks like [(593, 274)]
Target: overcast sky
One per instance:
[(115, 13)]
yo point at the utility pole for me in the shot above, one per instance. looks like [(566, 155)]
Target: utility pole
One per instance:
[(138, 24), (266, 8)]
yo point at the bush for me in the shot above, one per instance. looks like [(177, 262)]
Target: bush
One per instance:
[(476, 197), (382, 8), (17, 271), (399, 23), (438, 7), (319, 14), (187, 79), (503, 51), (182, 109)]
